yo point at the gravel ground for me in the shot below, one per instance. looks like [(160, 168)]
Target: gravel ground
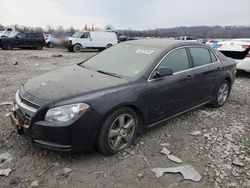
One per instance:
[(220, 153)]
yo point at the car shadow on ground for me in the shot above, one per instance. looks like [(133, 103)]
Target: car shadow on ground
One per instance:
[(242, 74)]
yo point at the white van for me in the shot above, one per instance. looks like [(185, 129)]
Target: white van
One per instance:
[(91, 39)]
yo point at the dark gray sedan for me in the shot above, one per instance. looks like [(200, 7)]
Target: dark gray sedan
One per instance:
[(106, 100)]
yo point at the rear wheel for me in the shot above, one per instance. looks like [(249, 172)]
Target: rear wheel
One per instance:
[(77, 48), (222, 94), (118, 131), (39, 47), (49, 45), (7, 46)]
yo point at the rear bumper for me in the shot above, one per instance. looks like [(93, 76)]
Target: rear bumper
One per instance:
[(243, 65)]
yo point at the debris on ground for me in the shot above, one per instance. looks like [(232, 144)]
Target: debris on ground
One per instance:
[(237, 162), (165, 151), (188, 172), (195, 133), (164, 144), (100, 172), (45, 170), (5, 157), (14, 181), (67, 170), (174, 159), (7, 115), (34, 183), (6, 103), (57, 55), (15, 63), (140, 175), (5, 172)]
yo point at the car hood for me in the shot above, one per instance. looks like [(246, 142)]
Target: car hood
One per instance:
[(69, 82)]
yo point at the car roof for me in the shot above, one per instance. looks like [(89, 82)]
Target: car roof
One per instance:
[(161, 43)]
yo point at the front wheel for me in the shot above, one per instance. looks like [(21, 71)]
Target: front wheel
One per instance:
[(118, 131), (222, 94), (77, 48), (7, 46), (108, 46)]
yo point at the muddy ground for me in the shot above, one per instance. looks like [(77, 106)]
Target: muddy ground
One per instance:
[(224, 137)]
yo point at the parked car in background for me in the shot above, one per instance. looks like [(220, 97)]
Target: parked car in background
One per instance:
[(238, 49), (91, 39), (213, 43), (23, 40), (191, 39), (8, 32), (105, 100), (53, 41)]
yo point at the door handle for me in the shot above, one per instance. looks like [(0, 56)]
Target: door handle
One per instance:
[(189, 77), (218, 68)]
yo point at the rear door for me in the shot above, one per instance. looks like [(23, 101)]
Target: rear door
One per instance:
[(208, 73), (172, 94), (30, 40)]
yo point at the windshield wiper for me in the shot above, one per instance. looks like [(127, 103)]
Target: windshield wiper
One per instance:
[(109, 73)]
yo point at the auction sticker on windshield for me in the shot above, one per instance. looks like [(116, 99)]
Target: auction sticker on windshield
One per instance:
[(147, 52)]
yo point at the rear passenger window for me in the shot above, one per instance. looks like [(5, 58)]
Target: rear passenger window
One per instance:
[(38, 35), (214, 59), (29, 35), (176, 60), (200, 56)]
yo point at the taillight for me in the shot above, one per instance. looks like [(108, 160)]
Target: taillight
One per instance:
[(245, 46), (219, 45), (248, 55)]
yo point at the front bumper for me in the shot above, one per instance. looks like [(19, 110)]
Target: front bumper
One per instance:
[(79, 135)]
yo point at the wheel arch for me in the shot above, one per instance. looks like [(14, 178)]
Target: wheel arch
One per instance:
[(136, 109)]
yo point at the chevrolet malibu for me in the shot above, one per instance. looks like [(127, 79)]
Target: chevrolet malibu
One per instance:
[(106, 100)]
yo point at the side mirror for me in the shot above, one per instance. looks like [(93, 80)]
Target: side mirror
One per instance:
[(161, 72)]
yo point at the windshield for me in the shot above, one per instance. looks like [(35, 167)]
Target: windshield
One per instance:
[(123, 59), (77, 34)]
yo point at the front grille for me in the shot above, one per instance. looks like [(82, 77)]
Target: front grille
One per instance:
[(24, 103), (31, 104)]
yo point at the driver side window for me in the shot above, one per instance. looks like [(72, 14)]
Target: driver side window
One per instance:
[(176, 60), (85, 35)]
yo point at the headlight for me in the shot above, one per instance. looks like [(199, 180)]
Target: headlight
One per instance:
[(66, 113)]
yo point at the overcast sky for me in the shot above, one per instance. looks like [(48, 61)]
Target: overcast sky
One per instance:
[(134, 14)]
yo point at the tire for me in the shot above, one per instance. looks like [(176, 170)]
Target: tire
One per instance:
[(221, 94), (77, 48), (115, 136), (20, 131), (49, 45), (39, 46), (108, 46), (7, 46)]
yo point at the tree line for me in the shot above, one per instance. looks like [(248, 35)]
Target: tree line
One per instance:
[(193, 31)]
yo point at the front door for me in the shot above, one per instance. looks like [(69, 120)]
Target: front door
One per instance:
[(86, 40), (172, 94)]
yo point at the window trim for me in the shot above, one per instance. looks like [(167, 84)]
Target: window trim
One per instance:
[(190, 58)]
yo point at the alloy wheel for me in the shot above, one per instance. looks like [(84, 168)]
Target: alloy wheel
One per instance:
[(121, 132), (223, 93)]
